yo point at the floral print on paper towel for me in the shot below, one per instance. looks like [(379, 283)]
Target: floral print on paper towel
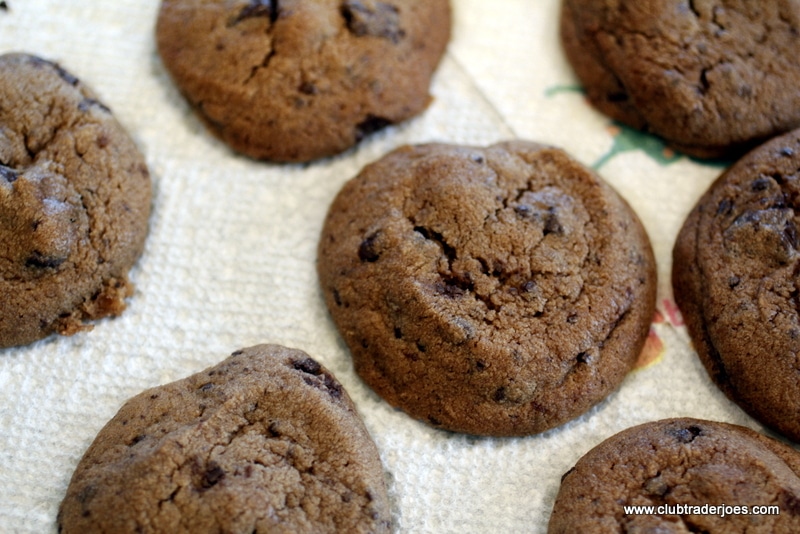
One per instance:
[(628, 139)]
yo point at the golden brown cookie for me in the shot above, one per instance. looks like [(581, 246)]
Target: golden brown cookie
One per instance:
[(297, 80), (713, 78), (74, 203), (735, 276), (266, 441), (697, 475), (500, 290)]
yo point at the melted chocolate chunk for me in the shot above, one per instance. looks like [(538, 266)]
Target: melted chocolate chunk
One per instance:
[(367, 251), (40, 261), (383, 21), (309, 365), (8, 174), (259, 8)]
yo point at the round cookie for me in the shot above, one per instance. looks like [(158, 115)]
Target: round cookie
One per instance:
[(74, 203), (266, 441), (712, 78), (497, 291), (680, 464), (297, 80), (735, 277)]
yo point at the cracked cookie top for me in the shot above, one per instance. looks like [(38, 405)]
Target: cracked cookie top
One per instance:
[(266, 441), (74, 203), (500, 291), (297, 80), (735, 274), (712, 77), (686, 462)]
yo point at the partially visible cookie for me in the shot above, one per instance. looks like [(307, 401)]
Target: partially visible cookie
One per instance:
[(677, 466), (297, 80), (712, 78), (499, 291), (735, 276), (74, 203), (266, 441)]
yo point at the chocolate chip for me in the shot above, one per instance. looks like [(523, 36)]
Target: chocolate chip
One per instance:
[(733, 281), (787, 152), (259, 8), (500, 394), (583, 357), (325, 382), (523, 210), (759, 184), (367, 251), (383, 21), (308, 88), (38, 260), (208, 386), (308, 365), (136, 440), (86, 494), (552, 224), (333, 387), (273, 430), (686, 435), (370, 125), (8, 174), (725, 207), (213, 475), (529, 286), (451, 288), (789, 502)]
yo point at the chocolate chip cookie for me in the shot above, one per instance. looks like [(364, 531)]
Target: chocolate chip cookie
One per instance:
[(296, 80), (74, 203), (735, 277), (266, 441), (713, 78), (498, 291), (679, 466)]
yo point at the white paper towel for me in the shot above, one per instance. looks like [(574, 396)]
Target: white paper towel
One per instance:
[(229, 263)]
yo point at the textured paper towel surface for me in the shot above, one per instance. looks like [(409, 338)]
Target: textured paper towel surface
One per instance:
[(229, 263)]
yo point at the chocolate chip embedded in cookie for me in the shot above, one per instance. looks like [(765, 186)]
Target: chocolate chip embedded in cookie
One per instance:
[(266, 441), (682, 468), (735, 276), (74, 203), (499, 291), (713, 78), (297, 80)]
